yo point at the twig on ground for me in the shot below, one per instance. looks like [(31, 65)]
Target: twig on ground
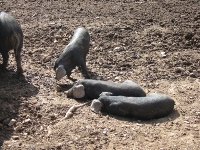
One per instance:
[(70, 112)]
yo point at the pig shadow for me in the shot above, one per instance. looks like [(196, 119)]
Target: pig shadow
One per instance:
[(65, 87), (14, 89), (95, 76), (171, 117)]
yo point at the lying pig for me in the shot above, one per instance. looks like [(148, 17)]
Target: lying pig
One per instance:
[(11, 37), (155, 105), (73, 55), (91, 89)]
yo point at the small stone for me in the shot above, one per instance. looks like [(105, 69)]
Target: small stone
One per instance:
[(25, 134), (11, 123), (18, 124), (46, 59), (53, 116), (163, 54), (186, 122), (70, 142), (19, 129), (55, 41), (58, 88), (27, 120), (192, 75), (179, 69), (39, 115), (15, 137), (105, 132), (198, 113), (116, 78), (116, 48)]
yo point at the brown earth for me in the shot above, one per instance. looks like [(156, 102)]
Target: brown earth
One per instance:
[(127, 41)]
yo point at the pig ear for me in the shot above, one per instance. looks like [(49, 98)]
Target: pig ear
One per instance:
[(96, 106), (60, 72), (78, 91)]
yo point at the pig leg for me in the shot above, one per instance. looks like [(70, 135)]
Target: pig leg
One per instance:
[(84, 69), (18, 60), (5, 59)]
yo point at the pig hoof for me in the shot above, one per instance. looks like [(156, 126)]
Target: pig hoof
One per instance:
[(2, 66)]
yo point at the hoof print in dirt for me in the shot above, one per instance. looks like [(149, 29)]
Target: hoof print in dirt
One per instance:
[(92, 89), (73, 55), (155, 105), (11, 37)]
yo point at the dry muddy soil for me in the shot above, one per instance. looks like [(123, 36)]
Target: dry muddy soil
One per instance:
[(155, 43)]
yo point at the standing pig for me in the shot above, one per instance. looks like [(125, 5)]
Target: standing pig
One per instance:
[(73, 55), (11, 37), (92, 89), (155, 105)]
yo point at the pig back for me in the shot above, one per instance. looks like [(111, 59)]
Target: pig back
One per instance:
[(93, 88), (11, 34), (81, 40), (155, 105)]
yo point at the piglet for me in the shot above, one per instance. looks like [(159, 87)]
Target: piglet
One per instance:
[(155, 105), (73, 55), (92, 89)]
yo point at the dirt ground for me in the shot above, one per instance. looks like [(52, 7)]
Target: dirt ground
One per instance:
[(154, 43)]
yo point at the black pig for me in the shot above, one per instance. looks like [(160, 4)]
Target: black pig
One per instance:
[(155, 105), (73, 55), (11, 37), (91, 89)]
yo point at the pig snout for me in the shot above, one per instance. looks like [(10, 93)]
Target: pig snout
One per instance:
[(77, 91), (96, 106), (11, 37), (60, 72)]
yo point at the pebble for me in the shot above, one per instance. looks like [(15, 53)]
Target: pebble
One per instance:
[(18, 128), (58, 88), (198, 113), (11, 123), (105, 132), (179, 69), (15, 137), (163, 54), (116, 78), (27, 120), (192, 75), (116, 48)]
